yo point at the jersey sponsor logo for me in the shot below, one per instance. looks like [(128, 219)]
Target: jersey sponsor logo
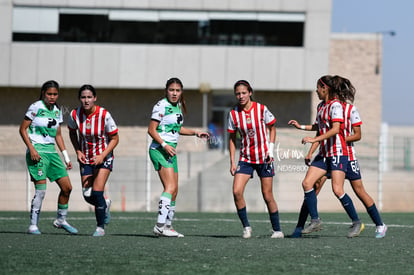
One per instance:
[(179, 119)]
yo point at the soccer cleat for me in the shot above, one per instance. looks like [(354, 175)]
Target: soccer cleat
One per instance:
[(107, 213), (315, 225), (34, 230), (356, 229), (99, 232), (297, 233), (380, 231), (277, 235), (247, 232), (65, 225), (166, 232), (173, 233)]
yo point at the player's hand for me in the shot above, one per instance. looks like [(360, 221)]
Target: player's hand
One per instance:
[(233, 168), (170, 150), (294, 123), (203, 135), (269, 159), (308, 140), (98, 160), (34, 155), (81, 157)]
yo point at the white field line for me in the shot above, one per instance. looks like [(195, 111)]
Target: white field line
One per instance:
[(92, 217)]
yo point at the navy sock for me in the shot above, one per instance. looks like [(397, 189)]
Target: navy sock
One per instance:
[(303, 216), (274, 219), (100, 208), (311, 203), (349, 207), (90, 199), (374, 214), (242, 213)]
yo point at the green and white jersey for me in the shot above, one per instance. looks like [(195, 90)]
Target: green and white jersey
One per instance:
[(43, 129), (171, 119)]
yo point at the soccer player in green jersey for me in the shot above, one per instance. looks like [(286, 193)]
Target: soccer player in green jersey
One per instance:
[(40, 130), (165, 128)]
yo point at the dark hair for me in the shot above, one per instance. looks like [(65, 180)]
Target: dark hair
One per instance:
[(182, 100), (327, 80), (339, 87), (344, 89), (86, 87), (244, 83), (47, 85)]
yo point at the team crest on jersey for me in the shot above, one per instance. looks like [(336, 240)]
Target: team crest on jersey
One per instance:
[(40, 172), (248, 120), (88, 125), (57, 114)]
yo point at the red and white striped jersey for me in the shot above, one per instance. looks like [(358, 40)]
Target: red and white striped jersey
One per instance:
[(93, 131), (328, 113), (252, 126), (352, 119)]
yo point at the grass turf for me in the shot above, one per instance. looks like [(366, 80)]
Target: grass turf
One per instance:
[(212, 245)]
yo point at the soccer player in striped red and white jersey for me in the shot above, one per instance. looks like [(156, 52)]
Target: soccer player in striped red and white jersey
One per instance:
[(352, 133), (332, 157), (252, 121), (94, 135)]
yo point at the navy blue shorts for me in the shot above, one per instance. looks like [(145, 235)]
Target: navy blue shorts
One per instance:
[(331, 163), (352, 172), (263, 170), (89, 169)]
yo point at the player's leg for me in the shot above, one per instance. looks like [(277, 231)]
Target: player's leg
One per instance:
[(57, 172), (36, 206), (314, 173), (170, 231), (38, 174), (372, 210), (304, 212), (338, 168), (267, 192), (63, 203), (169, 181), (240, 180), (98, 189)]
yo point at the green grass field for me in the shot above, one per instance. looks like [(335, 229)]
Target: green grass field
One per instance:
[(212, 245)]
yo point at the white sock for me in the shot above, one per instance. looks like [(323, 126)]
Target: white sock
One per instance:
[(61, 214), (170, 215), (163, 209), (36, 206)]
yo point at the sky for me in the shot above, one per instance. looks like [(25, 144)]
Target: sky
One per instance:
[(370, 16)]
